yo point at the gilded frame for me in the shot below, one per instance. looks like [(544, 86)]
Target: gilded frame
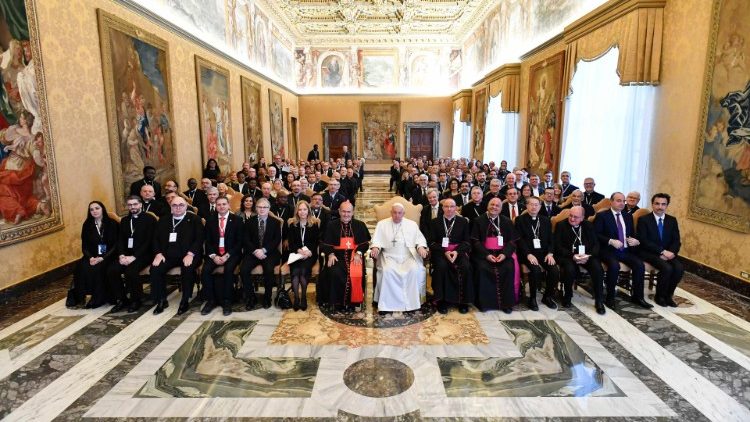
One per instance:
[(435, 126), (201, 63), (739, 223), (276, 124), (248, 85), (54, 222), (109, 22), (368, 107)]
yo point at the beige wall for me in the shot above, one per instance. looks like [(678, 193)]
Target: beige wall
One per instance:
[(75, 95), (318, 109)]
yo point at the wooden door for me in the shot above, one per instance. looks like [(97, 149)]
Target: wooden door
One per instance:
[(421, 142), (337, 138)]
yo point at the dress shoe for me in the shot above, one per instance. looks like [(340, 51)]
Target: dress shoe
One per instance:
[(250, 305), (207, 308), (226, 310), (533, 305), (611, 304), (567, 304), (266, 302), (295, 306), (383, 313), (92, 305), (303, 305), (508, 310), (160, 306), (549, 302), (184, 306), (642, 303), (119, 306), (600, 308), (659, 301), (671, 302), (134, 306), (442, 308), (463, 309)]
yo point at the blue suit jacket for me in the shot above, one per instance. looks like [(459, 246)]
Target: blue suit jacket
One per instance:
[(606, 229)]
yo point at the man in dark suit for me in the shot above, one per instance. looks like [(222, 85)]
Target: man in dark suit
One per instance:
[(631, 202), (347, 154), (659, 234), (590, 196), (223, 248), (149, 174), (429, 212), (576, 245), (481, 181), (318, 211), (549, 207), (241, 187), (333, 199), (493, 192), (511, 207), (350, 185), (536, 187), (314, 154), (253, 189), (261, 243), (178, 242), (319, 185), (576, 200), (196, 196), (395, 172), (464, 196), (205, 211), (297, 194), (619, 244), (150, 202), (134, 254), (360, 173), (567, 187), (536, 251), (419, 193), (281, 207), (548, 180), (510, 182), (476, 207)]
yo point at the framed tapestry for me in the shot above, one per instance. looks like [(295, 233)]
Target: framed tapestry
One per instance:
[(478, 122), (135, 64), (251, 122), (720, 189), (545, 115), (276, 111), (380, 134), (29, 193), (213, 113)]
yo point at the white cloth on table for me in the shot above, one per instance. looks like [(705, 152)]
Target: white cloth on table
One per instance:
[(400, 284)]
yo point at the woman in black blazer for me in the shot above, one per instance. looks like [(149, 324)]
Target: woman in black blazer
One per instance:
[(98, 241), (304, 235)]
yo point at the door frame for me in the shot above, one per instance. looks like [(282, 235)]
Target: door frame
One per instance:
[(352, 126), (435, 126)]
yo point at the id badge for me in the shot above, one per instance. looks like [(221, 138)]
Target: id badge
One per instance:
[(172, 237), (537, 244), (130, 243), (500, 241), (581, 249), (101, 249), (221, 242), (445, 242)]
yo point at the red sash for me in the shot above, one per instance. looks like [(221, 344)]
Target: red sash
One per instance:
[(346, 243)]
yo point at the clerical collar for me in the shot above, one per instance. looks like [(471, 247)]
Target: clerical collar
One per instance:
[(134, 216), (176, 218)]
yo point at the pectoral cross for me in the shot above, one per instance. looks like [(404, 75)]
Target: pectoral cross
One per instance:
[(348, 244)]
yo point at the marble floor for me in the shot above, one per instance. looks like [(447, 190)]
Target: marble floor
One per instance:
[(690, 363)]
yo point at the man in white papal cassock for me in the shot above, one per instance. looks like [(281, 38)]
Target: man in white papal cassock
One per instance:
[(399, 248)]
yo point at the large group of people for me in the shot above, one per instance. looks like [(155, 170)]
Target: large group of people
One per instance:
[(481, 226)]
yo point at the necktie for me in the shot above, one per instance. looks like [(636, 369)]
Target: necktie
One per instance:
[(213, 208), (513, 212), (660, 226), (620, 231), (549, 210), (222, 227), (261, 231), (434, 213)]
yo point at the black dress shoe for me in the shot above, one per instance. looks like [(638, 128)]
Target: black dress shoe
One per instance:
[(160, 306), (463, 309), (600, 308), (383, 313), (249, 305), (184, 306), (119, 306), (91, 305), (442, 308), (303, 305), (207, 308), (295, 306), (533, 305), (508, 310), (266, 303), (549, 302), (642, 303), (670, 302), (567, 304), (226, 310), (134, 306), (611, 304)]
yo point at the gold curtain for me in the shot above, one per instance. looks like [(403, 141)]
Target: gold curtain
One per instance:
[(635, 26), (510, 86), (462, 101)]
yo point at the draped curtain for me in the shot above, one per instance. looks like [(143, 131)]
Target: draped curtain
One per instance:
[(14, 12), (461, 134), (501, 134)]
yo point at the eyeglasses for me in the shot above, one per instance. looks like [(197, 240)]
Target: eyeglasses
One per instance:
[(179, 205)]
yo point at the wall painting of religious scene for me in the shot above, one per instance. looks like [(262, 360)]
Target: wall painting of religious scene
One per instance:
[(138, 101), (276, 111), (720, 190), (332, 70), (379, 68), (29, 194), (545, 115), (478, 122), (213, 113), (380, 137), (251, 120)]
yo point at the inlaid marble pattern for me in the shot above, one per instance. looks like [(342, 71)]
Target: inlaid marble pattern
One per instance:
[(722, 330), (33, 334), (552, 365), (206, 365), (378, 377)]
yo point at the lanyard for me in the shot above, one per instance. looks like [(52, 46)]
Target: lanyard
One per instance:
[(318, 214), (448, 231), (535, 230), (476, 211), (98, 231), (222, 229), (496, 226), (577, 234), (131, 226), (174, 226), (302, 230)]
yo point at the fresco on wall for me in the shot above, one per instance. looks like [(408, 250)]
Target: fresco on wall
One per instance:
[(251, 120), (276, 113), (424, 68), (29, 196), (213, 113), (281, 58), (720, 192), (139, 108), (207, 16), (545, 114), (478, 122), (332, 72), (379, 69), (381, 121)]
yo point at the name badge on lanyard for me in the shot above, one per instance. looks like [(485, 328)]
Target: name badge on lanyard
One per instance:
[(101, 249), (581, 249), (172, 237), (500, 241), (445, 242), (537, 244), (130, 243), (221, 242)]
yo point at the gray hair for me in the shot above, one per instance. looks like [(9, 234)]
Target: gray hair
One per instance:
[(262, 201), (212, 189), (398, 205)]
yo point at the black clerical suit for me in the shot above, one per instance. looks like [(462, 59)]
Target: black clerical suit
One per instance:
[(606, 228), (198, 199), (653, 244), (207, 210), (294, 199), (314, 154), (588, 210), (333, 202), (528, 229), (159, 208), (135, 187), (451, 281), (244, 190), (495, 288), (217, 289), (349, 188), (335, 284), (489, 196), (189, 239), (395, 177), (566, 240), (567, 190), (92, 278), (473, 210), (269, 242), (141, 229), (592, 198), (323, 215), (319, 186)]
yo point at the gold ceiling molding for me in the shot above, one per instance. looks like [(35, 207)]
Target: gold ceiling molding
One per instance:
[(462, 101), (506, 79), (635, 26)]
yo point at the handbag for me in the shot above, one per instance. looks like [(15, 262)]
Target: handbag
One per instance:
[(283, 301)]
